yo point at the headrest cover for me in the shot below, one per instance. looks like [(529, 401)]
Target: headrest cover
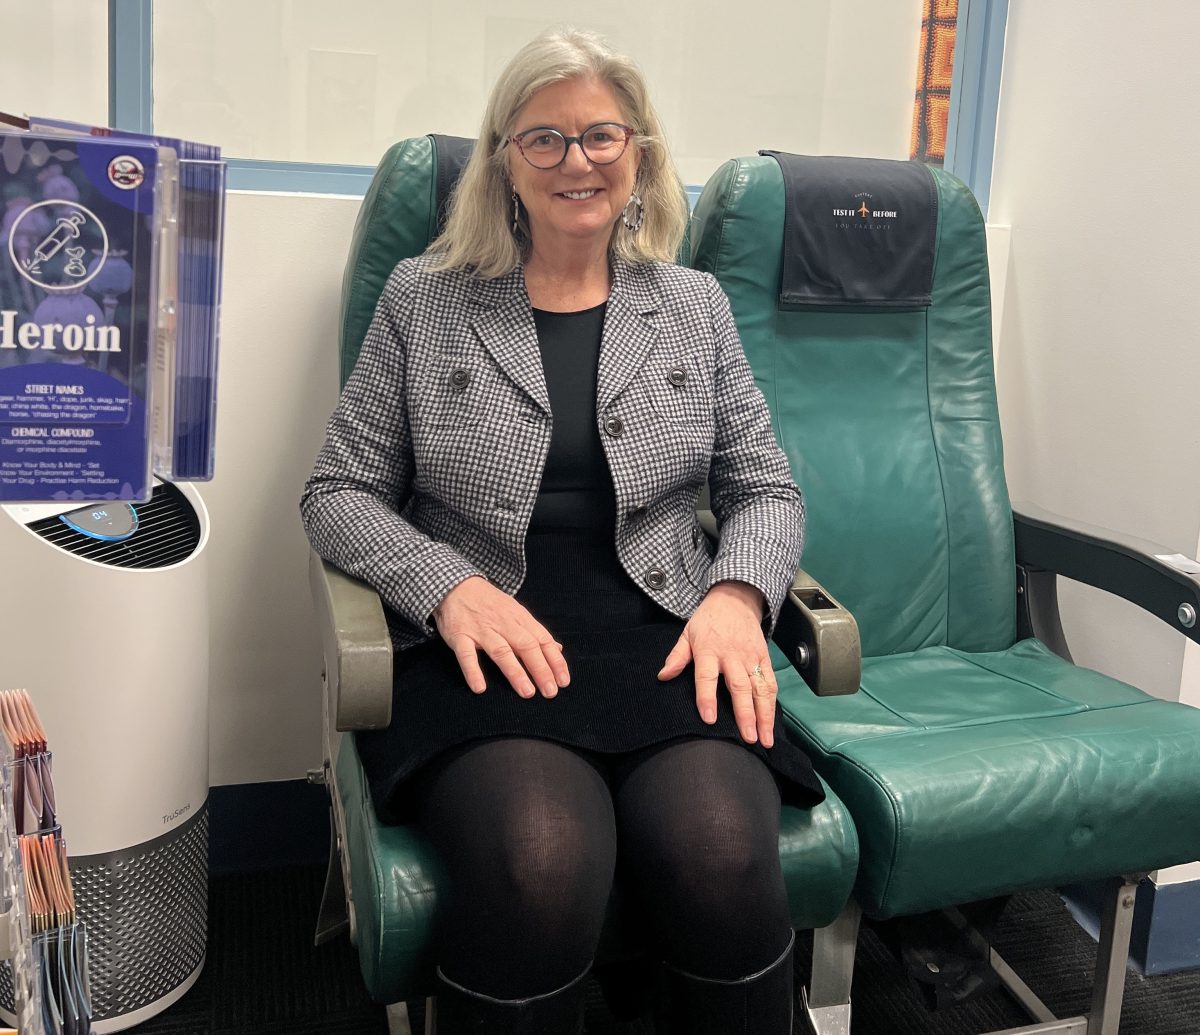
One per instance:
[(450, 155), (857, 232)]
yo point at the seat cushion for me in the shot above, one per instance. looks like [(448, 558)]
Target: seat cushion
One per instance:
[(394, 879), (973, 775)]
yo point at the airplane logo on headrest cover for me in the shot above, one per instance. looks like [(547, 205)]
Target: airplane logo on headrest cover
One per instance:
[(866, 210)]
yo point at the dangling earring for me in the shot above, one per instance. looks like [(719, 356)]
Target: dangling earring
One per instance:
[(516, 216), (633, 224)]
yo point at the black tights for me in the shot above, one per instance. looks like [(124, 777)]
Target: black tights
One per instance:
[(531, 833)]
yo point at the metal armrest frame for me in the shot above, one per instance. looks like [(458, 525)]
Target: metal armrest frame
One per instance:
[(1049, 545), (357, 649), (820, 638)]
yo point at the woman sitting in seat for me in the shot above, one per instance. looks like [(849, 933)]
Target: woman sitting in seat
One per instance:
[(583, 689)]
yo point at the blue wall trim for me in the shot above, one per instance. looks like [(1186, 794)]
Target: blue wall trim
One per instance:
[(1166, 937), (130, 65), (975, 94), (1166, 923), (306, 177)]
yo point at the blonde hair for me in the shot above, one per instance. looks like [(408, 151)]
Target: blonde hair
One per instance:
[(478, 233)]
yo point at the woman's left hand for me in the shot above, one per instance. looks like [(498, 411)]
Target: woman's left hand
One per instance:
[(724, 637)]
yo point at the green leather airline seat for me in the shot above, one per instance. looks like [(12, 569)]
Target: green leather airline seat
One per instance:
[(974, 764), (394, 878)]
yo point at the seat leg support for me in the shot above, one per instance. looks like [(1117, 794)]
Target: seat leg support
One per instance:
[(334, 916), (1070, 1026), (1108, 989), (1011, 980), (397, 1019), (826, 1001), (1112, 959)]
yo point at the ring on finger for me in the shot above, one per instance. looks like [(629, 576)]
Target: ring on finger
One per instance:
[(757, 671)]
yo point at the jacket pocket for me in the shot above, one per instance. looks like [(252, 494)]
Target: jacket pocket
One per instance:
[(459, 392), (676, 390)]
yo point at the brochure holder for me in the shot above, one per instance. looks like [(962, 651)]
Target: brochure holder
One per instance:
[(110, 280)]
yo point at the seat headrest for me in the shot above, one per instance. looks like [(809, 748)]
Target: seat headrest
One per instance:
[(857, 232), (451, 155), (404, 209)]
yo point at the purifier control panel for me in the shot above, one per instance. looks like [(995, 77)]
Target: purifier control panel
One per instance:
[(111, 522)]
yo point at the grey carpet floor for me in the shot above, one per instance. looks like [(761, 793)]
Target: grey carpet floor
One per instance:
[(264, 977)]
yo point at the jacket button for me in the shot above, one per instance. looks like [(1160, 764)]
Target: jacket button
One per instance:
[(615, 427), (656, 578), (677, 376), (696, 533), (460, 378), (637, 510)]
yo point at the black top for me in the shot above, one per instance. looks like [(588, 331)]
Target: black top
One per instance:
[(576, 490)]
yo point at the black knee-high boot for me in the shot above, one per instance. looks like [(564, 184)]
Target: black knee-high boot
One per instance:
[(758, 1004), (463, 1012)]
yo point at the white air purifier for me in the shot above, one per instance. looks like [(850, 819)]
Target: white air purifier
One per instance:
[(105, 622)]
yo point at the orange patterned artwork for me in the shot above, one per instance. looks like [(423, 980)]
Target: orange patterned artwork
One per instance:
[(935, 68)]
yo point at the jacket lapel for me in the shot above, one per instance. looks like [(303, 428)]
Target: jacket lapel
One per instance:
[(629, 331), (503, 319)]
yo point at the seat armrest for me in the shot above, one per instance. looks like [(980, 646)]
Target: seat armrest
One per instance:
[(820, 638), (1134, 569), (357, 648)]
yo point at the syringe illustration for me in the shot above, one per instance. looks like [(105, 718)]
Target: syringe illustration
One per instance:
[(66, 230)]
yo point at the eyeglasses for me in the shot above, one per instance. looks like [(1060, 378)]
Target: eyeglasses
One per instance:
[(546, 148)]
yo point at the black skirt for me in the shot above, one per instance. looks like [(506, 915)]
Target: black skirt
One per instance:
[(615, 640)]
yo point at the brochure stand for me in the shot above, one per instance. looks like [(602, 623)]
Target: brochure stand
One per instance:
[(44, 979)]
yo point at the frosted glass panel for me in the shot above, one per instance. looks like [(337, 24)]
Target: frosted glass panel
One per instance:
[(311, 81), (55, 59)]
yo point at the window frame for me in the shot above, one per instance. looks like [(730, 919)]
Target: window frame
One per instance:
[(975, 94)]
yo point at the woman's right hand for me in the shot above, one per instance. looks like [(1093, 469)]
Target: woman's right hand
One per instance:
[(476, 616)]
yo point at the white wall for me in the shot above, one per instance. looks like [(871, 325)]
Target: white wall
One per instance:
[(1098, 368), (284, 256), (55, 59), (870, 69), (296, 80)]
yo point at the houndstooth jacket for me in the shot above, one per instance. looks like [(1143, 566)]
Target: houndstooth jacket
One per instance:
[(433, 458)]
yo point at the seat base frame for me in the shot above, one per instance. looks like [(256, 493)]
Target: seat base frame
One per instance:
[(826, 1002)]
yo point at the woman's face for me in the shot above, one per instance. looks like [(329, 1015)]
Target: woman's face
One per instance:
[(575, 202)]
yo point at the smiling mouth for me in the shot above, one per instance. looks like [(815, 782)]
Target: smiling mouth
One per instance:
[(578, 195)]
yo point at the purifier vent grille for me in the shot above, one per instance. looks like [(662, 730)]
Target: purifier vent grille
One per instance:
[(146, 910), (168, 532)]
